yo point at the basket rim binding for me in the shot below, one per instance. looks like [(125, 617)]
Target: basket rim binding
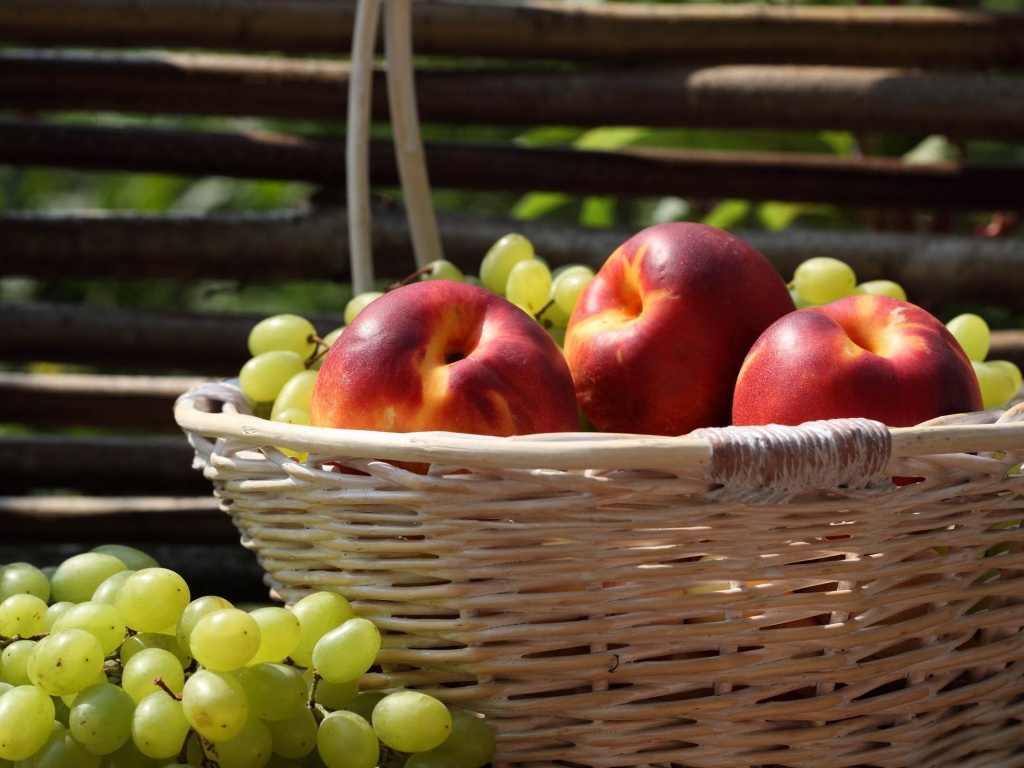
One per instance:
[(702, 451)]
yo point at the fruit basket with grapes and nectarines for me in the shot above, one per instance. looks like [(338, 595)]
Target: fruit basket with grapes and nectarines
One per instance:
[(672, 511)]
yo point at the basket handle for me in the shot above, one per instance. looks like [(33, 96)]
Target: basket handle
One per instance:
[(768, 463), (412, 170)]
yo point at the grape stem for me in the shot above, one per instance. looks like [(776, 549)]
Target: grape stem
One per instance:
[(159, 683), (6, 641), (424, 270), (318, 353)]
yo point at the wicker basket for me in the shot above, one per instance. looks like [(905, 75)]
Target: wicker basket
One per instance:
[(729, 599), (738, 597)]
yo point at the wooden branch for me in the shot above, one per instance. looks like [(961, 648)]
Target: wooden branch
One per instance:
[(865, 100), (866, 182), (102, 465), (936, 270), (129, 339), (109, 519), (134, 404), (539, 29)]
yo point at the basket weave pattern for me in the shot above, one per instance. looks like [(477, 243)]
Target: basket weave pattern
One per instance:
[(774, 601)]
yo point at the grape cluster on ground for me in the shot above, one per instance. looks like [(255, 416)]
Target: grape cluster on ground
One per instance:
[(108, 661)]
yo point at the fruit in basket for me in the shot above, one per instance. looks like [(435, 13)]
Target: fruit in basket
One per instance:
[(863, 356), (658, 335), (444, 355), (65, 699)]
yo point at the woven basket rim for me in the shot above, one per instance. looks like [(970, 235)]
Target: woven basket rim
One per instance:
[(958, 433)]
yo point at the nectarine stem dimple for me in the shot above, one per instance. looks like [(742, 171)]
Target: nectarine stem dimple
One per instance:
[(453, 357)]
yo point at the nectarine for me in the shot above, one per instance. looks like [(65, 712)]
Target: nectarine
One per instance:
[(865, 356), (444, 355), (658, 335)]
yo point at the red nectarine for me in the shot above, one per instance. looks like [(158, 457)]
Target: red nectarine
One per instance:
[(444, 355), (863, 356), (658, 335)]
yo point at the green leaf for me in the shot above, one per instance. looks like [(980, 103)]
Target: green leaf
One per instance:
[(533, 205), (728, 214)]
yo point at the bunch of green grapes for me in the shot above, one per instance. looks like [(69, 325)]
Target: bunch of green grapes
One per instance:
[(1000, 380), (109, 662), (510, 268), (285, 355), (823, 279)]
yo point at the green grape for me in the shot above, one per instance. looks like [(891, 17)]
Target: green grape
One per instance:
[(346, 652), (152, 599), (346, 740), (127, 756), (822, 279), (283, 332), (22, 615), (143, 668), (295, 737), (332, 337), (296, 393), (996, 384), (441, 269), (411, 721), (364, 703), (5, 686), (225, 640), (279, 633), (262, 377), (101, 718), (54, 611), (882, 288), (159, 726), (798, 301), (76, 578), (497, 263), (23, 578), (215, 704), (61, 750), (107, 588), (1011, 369), (251, 748), (193, 612), (568, 286), (275, 691), (26, 720), (318, 613), (70, 698), (65, 662), (102, 620), (470, 744), (14, 662), (358, 303), (143, 640), (529, 285), (972, 333), (335, 695), (134, 559), (552, 316)]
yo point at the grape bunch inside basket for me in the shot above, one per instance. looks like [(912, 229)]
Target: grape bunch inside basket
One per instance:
[(736, 597)]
